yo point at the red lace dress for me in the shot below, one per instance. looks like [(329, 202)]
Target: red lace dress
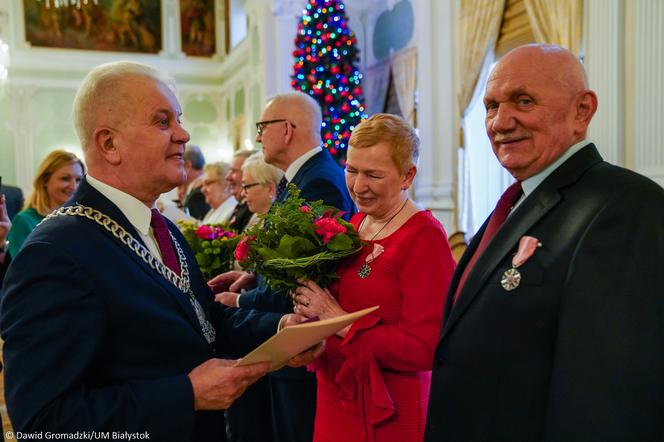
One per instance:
[(373, 385)]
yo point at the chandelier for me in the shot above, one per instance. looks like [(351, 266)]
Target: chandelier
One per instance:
[(64, 3)]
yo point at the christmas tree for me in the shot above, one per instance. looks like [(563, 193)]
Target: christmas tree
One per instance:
[(325, 56)]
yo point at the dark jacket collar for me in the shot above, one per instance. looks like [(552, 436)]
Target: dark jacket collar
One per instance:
[(545, 197)]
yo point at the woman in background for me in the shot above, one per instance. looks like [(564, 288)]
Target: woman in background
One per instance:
[(374, 377), (57, 179), (217, 195), (259, 185)]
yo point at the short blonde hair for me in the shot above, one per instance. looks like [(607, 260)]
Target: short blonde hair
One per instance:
[(39, 199), (99, 93), (217, 170), (261, 171), (392, 130)]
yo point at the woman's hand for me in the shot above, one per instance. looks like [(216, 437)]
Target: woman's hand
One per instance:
[(311, 300)]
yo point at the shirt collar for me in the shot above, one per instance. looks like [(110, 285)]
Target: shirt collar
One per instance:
[(137, 213), (530, 184), (299, 162)]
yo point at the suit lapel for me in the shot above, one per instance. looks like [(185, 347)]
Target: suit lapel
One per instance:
[(308, 165), (531, 210), (89, 196), (304, 169)]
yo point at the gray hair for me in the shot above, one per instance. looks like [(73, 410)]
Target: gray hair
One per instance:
[(219, 170), (194, 156), (244, 153), (99, 91), (261, 171)]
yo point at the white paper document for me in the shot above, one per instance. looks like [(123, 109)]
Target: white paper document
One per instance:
[(293, 340)]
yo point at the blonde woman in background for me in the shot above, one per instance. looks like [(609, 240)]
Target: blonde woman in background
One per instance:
[(56, 181), (259, 185), (217, 194)]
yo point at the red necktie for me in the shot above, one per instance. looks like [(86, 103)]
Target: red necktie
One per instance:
[(164, 241), (498, 217)]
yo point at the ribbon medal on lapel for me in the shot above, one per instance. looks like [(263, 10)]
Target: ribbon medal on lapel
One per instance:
[(512, 277)]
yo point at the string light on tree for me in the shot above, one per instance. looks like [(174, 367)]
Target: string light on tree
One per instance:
[(325, 68)]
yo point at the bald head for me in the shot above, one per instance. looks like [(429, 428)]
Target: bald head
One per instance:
[(551, 63), (538, 106), (299, 108), (296, 120)]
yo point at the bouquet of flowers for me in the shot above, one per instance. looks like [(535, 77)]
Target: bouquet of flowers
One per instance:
[(213, 246), (297, 240)]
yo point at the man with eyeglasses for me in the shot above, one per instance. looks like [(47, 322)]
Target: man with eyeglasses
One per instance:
[(289, 130)]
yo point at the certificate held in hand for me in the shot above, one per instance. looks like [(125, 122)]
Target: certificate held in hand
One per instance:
[(293, 340)]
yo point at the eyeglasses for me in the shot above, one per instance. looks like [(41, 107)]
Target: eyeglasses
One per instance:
[(261, 125), (249, 186)]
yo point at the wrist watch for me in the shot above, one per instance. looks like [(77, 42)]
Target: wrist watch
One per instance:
[(4, 246)]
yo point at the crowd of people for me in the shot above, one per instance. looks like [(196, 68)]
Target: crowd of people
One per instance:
[(548, 329)]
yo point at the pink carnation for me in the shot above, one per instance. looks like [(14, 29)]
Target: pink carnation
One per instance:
[(242, 248), (305, 209), (221, 233), (204, 232), (327, 228)]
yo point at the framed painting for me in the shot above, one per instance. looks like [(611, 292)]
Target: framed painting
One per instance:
[(100, 25), (197, 25)]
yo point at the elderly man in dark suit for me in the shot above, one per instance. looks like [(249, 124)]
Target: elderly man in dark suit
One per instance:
[(289, 130), (194, 200), (553, 326), (108, 323)]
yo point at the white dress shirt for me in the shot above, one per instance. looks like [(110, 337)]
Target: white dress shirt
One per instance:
[(138, 214)]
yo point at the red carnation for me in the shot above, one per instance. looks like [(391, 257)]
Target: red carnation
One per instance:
[(305, 209), (204, 232), (328, 228), (242, 249)]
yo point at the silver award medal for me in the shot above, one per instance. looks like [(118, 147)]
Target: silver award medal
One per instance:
[(510, 279)]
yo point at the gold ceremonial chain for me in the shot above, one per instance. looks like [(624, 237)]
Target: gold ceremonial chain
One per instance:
[(181, 282)]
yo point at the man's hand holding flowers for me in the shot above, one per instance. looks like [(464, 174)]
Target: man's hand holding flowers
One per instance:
[(233, 281)]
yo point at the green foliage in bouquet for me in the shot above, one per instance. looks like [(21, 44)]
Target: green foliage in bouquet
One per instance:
[(212, 244), (297, 240)]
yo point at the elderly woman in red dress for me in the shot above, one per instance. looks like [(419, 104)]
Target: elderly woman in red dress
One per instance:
[(373, 380)]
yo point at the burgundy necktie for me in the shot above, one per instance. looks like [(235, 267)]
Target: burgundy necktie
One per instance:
[(498, 217), (164, 241)]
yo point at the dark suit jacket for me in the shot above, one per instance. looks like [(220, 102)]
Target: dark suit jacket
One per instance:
[(14, 199), (97, 340), (240, 217), (195, 204), (575, 352)]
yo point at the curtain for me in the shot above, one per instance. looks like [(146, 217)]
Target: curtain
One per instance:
[(375, 83), (480, 26), (404, 77), (479, 29), (557, 22)]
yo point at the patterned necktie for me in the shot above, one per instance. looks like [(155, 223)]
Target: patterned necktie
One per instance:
[(164, 241), (282, 189), (498, 217)]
